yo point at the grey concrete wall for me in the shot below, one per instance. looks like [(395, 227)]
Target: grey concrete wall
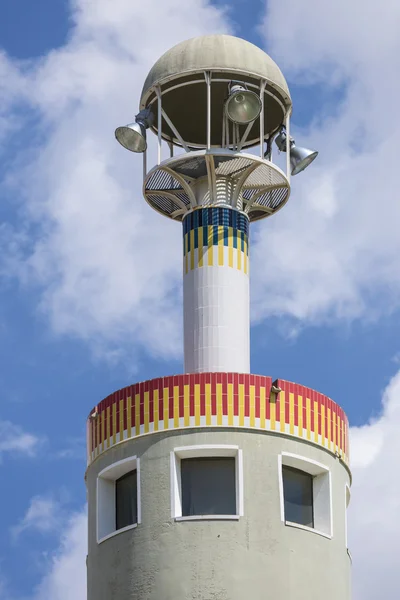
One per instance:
[(256, 557)]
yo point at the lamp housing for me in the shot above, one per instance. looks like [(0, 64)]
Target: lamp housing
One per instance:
[(300, 157), (242, 106), (133, 136)]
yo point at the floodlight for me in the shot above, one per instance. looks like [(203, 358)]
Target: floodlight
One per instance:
[(242, 106), (133, 136), (300, 157)]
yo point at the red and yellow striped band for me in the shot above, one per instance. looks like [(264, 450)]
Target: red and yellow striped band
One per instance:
[(217, 400)]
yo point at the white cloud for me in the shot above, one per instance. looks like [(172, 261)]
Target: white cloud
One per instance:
[(44, 515), (63, 568), (374, 526), (66, 576), (14, 440), (334, 248), (109, 267)]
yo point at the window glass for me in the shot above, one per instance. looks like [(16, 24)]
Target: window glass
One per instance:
[(298, 496), (126, 500), (208, 486)]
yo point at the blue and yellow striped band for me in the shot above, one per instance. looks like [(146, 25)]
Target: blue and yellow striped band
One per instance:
[(216, 237)]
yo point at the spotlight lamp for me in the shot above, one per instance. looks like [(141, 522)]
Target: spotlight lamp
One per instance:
[(133, 136), (300, 158), (242, 105)]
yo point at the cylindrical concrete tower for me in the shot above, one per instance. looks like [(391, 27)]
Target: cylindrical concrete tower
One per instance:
[(217, 484)]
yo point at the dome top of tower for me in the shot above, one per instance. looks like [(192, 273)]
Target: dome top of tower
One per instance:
[(180, 75), (216, 52)]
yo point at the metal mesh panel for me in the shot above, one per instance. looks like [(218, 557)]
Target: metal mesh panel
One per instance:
[(265, 180), (225, 165), (183, 197), (249, 193), (255, 215), (272, 198), (196, 167), (160, 180), (165, 205), (262, 176)]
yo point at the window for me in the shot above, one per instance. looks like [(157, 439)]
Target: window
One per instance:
[(207, 482), (118, 498), (126, 500), (208, 486), (305, 490), (298, 496)]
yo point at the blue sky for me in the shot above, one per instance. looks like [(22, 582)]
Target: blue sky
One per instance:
[(326, 311)]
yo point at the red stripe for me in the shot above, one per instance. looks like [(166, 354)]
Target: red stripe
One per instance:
[(312, 397), (151, 404), (93, 430), (305, 394), (287, 405), (170, 385), (160, 400), (224, 381), (111, 419), (257, 397), (296, 406), (202, 399), (247, 402), (117, 412), (133, 407), (125, 412), (141, 411), (235, 402), (191, 396), (320, 400), (181, 403), (235, 389), (213, 401), (267, 400), (224, 403)]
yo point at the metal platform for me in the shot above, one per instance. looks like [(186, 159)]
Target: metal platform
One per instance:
[(216, 177)]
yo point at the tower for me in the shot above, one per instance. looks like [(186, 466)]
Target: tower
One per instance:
[(217, 484)]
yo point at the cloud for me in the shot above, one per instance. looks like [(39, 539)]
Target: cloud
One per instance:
[(66, 575), (374, 527), (63, 568), (14, 440), (333, 250), (108, 268), (44, 515)]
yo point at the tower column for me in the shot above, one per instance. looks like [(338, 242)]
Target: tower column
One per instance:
[(216, 291)]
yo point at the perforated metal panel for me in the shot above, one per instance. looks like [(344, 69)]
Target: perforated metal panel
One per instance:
[(224, 165), (214, 178)]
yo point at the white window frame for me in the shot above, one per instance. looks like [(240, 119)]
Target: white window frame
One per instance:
[(105, 501), (322, 492), (205, 451)]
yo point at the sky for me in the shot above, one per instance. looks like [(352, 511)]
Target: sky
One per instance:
[(89, 305)]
